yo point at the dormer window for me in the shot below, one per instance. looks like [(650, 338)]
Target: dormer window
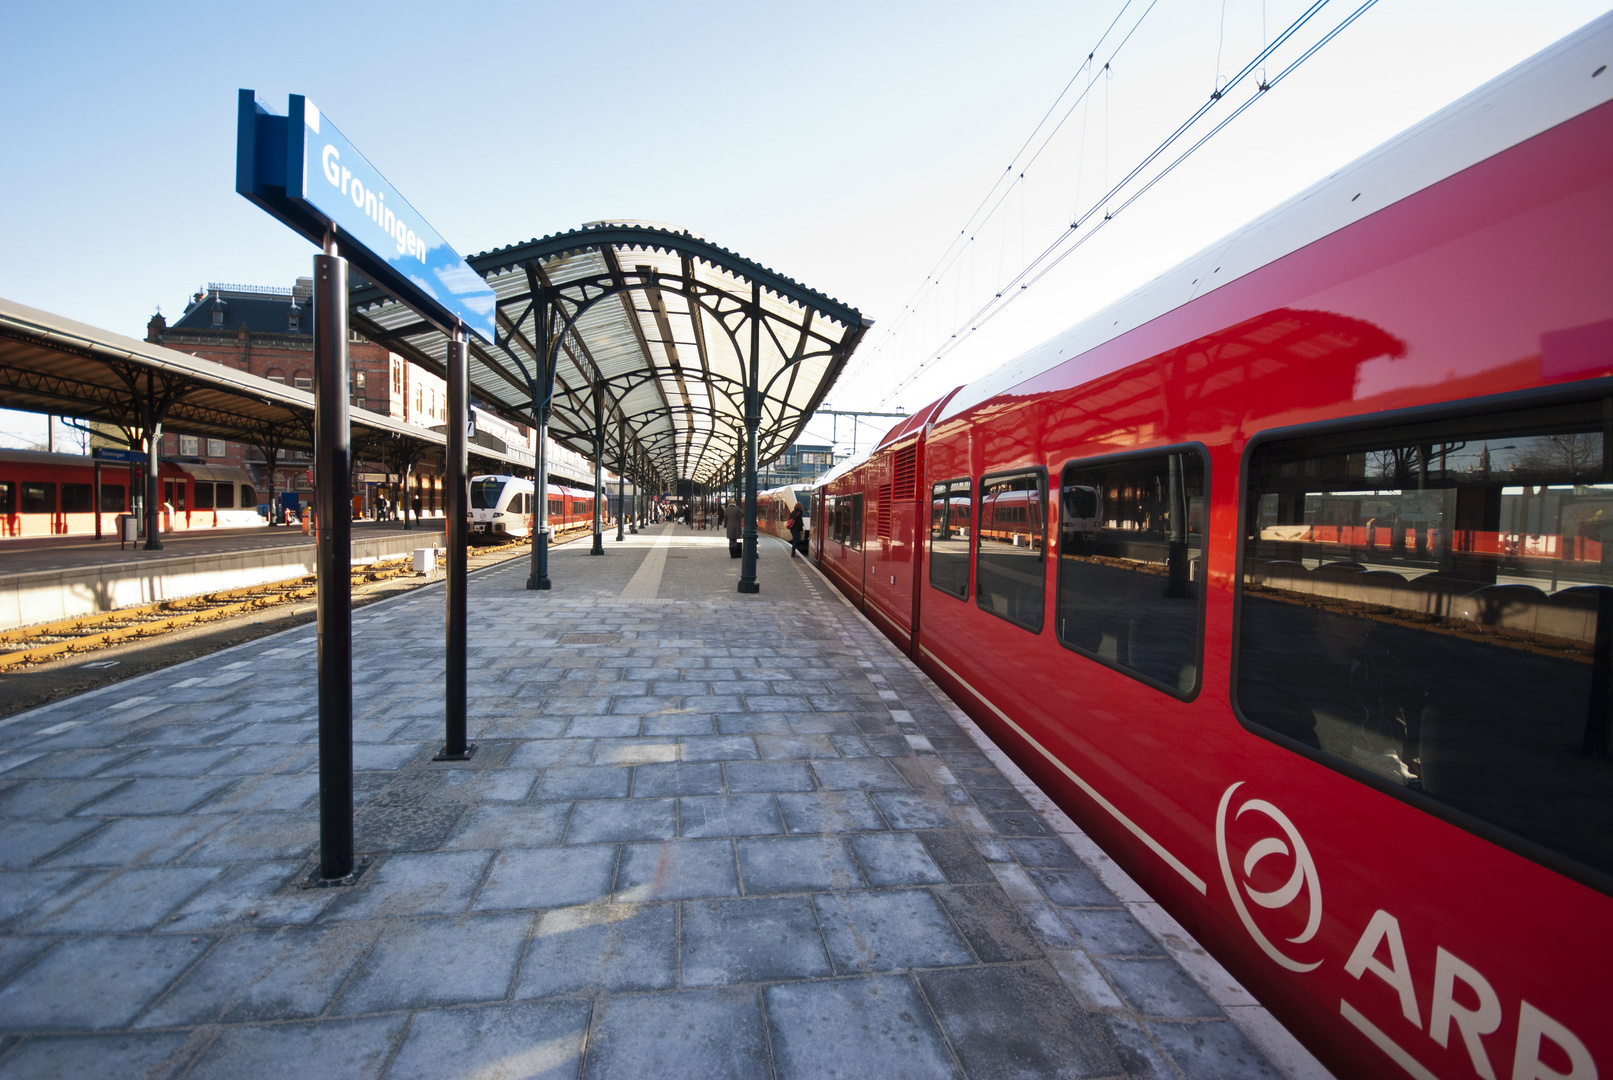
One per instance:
[(294, 321), (218, 312)]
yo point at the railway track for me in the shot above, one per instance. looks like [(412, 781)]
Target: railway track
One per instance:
[(87, 633)]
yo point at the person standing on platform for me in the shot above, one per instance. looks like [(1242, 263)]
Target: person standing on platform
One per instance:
[(796, 526), (732, 519)]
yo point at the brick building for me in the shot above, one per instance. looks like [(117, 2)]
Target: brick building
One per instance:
[(268, 332)]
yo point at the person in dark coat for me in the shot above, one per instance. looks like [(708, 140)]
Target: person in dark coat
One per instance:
[(796, 526), (735, 525)]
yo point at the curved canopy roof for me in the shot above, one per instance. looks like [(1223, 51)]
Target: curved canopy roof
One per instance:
[(654, 334)]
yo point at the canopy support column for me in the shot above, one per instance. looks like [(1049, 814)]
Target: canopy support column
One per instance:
[(334, 560), (152, 422), (621, 479), (539, 578), (599, 471), (457, 507), (753, 420)]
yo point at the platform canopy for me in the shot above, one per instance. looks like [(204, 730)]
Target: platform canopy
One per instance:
[(652, 336)]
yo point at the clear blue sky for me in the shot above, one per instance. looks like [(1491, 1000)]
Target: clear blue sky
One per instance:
[(840, 143)]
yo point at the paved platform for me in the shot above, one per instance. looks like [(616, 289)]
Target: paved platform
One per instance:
[(719, 836)]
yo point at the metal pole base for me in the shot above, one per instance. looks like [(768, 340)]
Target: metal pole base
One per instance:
[(599, 545), (444, 755), (749, 586), (536, 584)]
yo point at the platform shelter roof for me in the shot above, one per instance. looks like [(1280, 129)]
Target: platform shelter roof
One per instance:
[(651, 333)]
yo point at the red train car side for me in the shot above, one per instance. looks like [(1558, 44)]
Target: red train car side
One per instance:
[(1291, 579), (43, 494)]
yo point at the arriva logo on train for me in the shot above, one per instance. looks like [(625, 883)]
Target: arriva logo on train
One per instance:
[(1459, 996)]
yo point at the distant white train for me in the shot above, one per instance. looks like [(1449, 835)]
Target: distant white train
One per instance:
[(502, 507)]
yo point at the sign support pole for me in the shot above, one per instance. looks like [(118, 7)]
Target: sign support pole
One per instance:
[(753, 420), (456, 507), (539, 578), (334, 561), (153, 426)]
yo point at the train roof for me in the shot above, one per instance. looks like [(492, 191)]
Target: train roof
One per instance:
[(1550, 88)]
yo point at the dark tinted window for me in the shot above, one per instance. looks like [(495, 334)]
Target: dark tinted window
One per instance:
[(38, 498), (1131, 557), (8, 497), (78, 498), (249, 496), (225, 497), (848, 520), (111, 498), (1431, 603), (204, 494), (1010, 543), (951, 523), (484, 493)]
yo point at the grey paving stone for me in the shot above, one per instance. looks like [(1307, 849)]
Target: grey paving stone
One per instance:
[(756, 939), (886, 931), (258, 760), (957, 857), (541, 755), (17, 952), (165, 762), (152, 1056), (796, 864), (1213, 1051), (386, 756), (251, 894), (129, 900), (443, 961), (355, 1049), (52, 798), (548, 877), (829, 812), (851, 746), (728, 815), (1158, 988), (606, 727), (282, 792), (693, 723), (1136, 1049), (600, 948), (1050, 930), (529, 826), (865, 774), (677, 778), (70, 764), (1010, 1022), (1018, 824), (873, 1027), (751, 723), (914, 810), (1051, 852), (698, 1035), (823, 723), (1111, 932), (259, 836), (795, 747), (1074, 888), (21, 890), (758, 776), (528, 1041), (133, 841), (679, 870), (270, 734), (636, 751), (717, 748), (171, 730), (622, 820), (95, 983), (585, 782), (993, 926), (489, 785), (889, 858), (23, 843), (286, 974), (431, 883)]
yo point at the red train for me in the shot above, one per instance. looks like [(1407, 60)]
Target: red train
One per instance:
[(44, 494), (1291, 579)]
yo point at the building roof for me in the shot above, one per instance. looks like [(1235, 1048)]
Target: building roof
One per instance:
[(227, 309), (653, 330)]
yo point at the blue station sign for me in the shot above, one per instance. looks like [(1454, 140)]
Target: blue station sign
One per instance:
[(305, 172)]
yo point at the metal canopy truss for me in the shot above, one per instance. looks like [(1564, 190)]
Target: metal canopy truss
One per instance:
[(50, 364), (655, 322)]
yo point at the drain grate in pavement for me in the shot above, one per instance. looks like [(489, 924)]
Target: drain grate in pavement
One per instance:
[(589, 639)]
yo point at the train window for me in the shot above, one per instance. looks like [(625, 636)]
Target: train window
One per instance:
[(78, 498), (224, 497), (8, 497), (1131, 560), (951, 522), (249, 497), (853, 521), (112, 498), (484, 493), (38, 498), (204, 495), (1429, 607), (1011, 538)]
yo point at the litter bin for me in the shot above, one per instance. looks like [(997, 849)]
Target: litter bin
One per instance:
[(128, 529), (425, 560)]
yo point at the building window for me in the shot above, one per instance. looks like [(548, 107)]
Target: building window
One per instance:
[(215, 448), (1131, 560), (276, 377), (303, 381), (190, 446)]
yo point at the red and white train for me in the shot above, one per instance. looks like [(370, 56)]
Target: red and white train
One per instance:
[(501, 507), (1290, 578), (43, 494)]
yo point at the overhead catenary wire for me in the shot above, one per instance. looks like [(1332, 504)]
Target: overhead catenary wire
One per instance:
[(1061, 246)]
